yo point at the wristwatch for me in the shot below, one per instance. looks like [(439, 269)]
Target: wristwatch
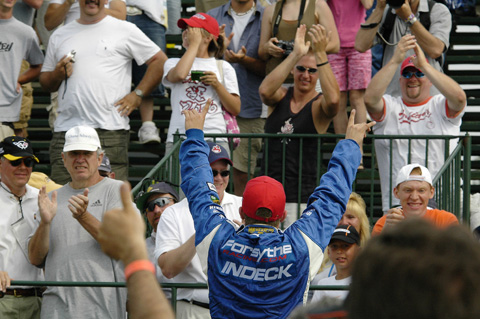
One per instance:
[(139, 93), (411, 19)]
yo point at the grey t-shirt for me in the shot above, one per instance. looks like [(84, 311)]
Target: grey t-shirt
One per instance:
[(17, 42), (75, 256)]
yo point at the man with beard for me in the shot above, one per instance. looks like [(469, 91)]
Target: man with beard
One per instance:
[(415, 112), (95, 85)]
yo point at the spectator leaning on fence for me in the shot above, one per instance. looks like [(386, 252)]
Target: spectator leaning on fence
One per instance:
[(415, 112)]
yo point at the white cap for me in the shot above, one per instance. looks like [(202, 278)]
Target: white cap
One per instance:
[(404, 175), (81, 138)]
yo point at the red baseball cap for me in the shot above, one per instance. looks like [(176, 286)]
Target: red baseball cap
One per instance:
[(409, 62), (264, 192), (201, 20)]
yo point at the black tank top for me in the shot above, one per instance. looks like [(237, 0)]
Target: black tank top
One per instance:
[(283, 121)]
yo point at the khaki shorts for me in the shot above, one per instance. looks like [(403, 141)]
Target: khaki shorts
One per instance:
[(242, 160), (27, 101)]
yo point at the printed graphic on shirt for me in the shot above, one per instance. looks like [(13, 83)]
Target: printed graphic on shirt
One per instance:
[(196, 97), (5, 47), (261, 263), (416, 117)]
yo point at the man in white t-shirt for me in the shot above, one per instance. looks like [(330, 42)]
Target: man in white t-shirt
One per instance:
[(415, 112), (94, 86), (175, 245)]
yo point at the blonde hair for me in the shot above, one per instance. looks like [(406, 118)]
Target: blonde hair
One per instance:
[(356, 205)]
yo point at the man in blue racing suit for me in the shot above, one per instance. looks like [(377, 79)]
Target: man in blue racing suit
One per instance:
[(258, 271)]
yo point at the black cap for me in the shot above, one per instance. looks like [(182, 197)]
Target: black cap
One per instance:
[(218, 152), (346, 233), (16, 147), (158, 188)]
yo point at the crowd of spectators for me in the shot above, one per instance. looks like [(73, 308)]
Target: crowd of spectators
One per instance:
[(288, 68)]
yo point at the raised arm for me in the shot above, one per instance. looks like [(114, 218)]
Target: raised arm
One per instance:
[(379, 83), (271, 90), (454, 94), (325, 18), (429, 43), (180, 71), (267, 47), (331, 92), (39, 244), (366, 34)]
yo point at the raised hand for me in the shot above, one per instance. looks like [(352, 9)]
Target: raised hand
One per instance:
[(357, 132), (47, 206), (195, 119)]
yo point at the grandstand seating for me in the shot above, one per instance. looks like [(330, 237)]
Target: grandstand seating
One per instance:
[(144, 157)]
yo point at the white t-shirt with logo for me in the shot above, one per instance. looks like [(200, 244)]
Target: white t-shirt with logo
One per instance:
[(189, 95), (428, 118)]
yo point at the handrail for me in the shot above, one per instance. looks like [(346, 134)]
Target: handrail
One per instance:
[(367, 179)]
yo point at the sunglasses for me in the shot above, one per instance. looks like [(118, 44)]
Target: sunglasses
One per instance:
[(160, 202), (222, 173), (28, 161), (303, 69), (409, 74)]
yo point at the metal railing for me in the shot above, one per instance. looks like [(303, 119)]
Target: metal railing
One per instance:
[(448, 195), (165, 286)]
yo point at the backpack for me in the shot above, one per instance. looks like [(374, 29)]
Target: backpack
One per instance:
[(424, 17)]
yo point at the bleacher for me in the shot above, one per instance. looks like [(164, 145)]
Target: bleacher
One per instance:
[(143, 157)]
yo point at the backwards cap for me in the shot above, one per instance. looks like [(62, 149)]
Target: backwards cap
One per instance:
[(404, 174), (201, 20), (264, 192)]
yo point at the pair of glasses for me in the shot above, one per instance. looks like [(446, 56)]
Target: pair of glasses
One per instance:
[(28, 161), (222, 173), (303, 69), (160, 202), (409, 74)]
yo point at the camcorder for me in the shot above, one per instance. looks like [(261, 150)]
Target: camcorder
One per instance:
[(287, 46)]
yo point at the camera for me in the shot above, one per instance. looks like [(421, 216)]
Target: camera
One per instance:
[(395, 4), (71, 54), (287, 46), (195, 75)]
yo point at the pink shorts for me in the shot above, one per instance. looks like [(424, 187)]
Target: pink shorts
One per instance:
[(352, 69)]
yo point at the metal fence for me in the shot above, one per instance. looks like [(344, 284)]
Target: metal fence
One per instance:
[(450, 192)]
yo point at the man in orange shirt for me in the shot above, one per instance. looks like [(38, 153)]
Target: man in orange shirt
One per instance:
[(414, 188)]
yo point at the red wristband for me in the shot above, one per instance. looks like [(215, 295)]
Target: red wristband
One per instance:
[(139, 265)]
